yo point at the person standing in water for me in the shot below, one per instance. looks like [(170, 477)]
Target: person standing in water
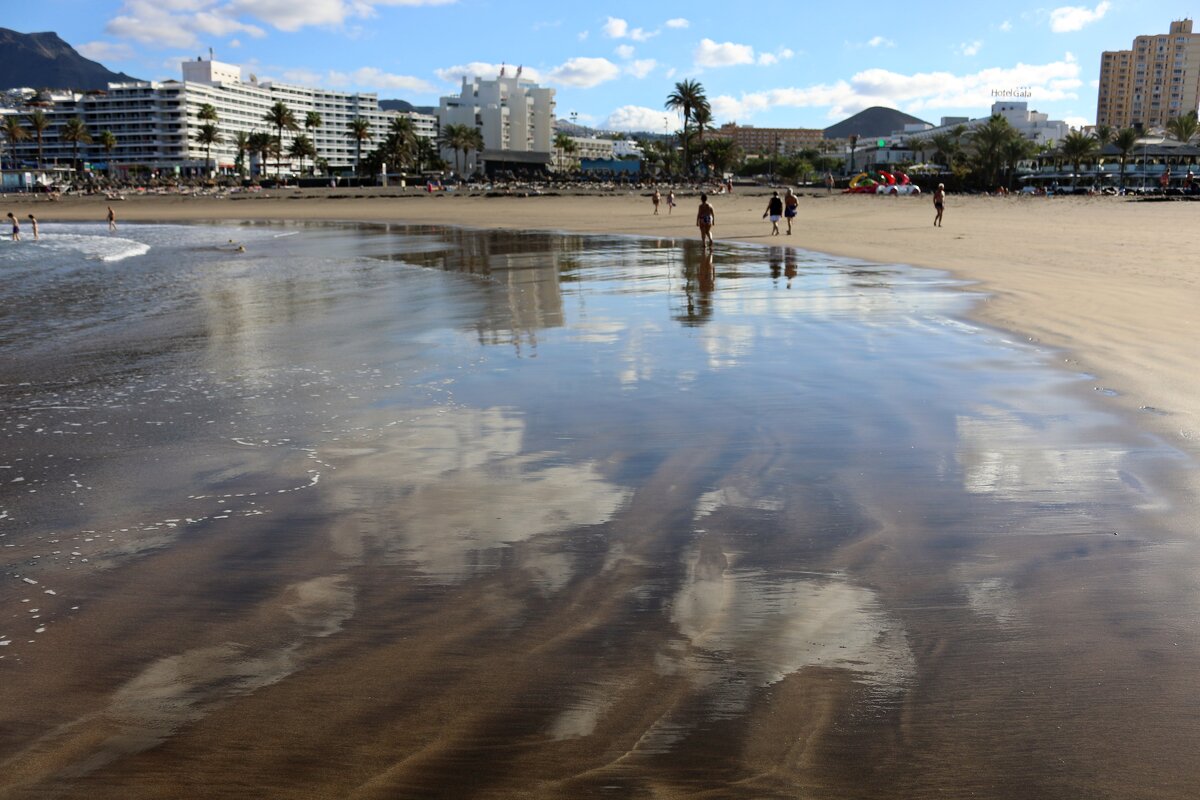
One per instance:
[(112, 219), (16, 227), (939, 203), (33, 224), (706, 218)]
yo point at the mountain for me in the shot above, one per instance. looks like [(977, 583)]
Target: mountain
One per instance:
[(404, 106), (871, 123), (44, 61)]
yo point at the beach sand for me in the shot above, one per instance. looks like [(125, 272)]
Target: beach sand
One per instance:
[(1108, 281)]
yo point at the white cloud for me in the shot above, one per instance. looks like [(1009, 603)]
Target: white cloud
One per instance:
[(711, 54), (767, 59), (624, 50), (484, 70), (185, 23), (640, 35), (1077, 123), (584, 73), (641, 67), (615, 28), (880, 41), (1073, 18), (636, 118), (105, 51), (678, 22), (583, 35), (235, 43), (970, 48), (1058, 80), (1006, 26)]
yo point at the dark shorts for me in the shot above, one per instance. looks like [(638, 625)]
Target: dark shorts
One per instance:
[(789, 213)]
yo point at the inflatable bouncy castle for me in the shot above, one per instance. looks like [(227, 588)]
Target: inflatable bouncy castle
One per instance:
[(882, 183)]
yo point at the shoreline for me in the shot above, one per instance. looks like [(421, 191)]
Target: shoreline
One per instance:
[(1106, 282)]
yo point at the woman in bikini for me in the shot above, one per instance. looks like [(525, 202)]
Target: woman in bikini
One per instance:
[(939, 203), (706, 218)]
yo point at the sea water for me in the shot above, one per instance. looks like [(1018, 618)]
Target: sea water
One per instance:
[(589, 513)]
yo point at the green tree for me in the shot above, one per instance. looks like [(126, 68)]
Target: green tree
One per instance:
[(302, 147), (1104, 134), (944, 148), (108, 141), (473, 142), (39, 123), (721, 155), (241, 145), (13, 131), (208, 135), (279, 116), (918, 145), (989, 144), (312, 121), (686, 98), (358, 129), (1125, 140), (453, 137), (1183, 127), (261, 144), (1016, 150), (75, 131), (1078, 147), (207, 113)]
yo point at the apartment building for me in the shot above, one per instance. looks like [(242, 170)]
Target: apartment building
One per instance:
[(155, 124), (765, 141), (1155, 80), (514, 114)]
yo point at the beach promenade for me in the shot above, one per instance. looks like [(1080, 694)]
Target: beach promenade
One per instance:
[(1111, 282)]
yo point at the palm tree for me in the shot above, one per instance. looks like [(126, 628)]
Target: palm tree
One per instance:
[(108, 140), (853, 147), (1078, 147), (451, 137), (944, 148), (358, 129), (260, 144), (241, 144), (39, 122), (402, 140), (1104, 134), (302, 147), (208, 135), (207, 113), (280, 117), (688, 96), (13, 131), (472, 142), (1183, 127), (1125, 140), (312, 121), (918, 146), (990, 142), (561, 142), (721, 155), (75, 131), (1016, 150), (702, 116)]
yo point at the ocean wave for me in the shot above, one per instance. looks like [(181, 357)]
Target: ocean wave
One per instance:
[(99, 248)]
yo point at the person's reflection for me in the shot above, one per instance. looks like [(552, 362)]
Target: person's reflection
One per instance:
[(789, 265), (774, 255), (699, 283)]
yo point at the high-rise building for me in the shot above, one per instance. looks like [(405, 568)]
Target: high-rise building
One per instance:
[(1159, 78), (155, 124), (515, 116)]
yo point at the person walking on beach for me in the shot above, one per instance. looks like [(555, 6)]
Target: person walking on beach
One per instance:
[(790, 204), (774, 211), (16, 227), (33, 224), (656, 198), (670, 201), (829, 183), (706, 218), (112, 219), (939, 203)]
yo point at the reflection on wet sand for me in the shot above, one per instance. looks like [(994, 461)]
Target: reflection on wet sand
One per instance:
[(438, 513)]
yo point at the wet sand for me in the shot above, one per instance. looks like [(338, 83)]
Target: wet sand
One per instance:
[(1111, 282), (518, 516)]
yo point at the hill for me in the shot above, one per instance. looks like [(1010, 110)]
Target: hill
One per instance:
[(44, 61), (404, 106), (871, 123)]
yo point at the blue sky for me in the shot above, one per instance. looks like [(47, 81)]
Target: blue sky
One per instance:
[(797, 64)]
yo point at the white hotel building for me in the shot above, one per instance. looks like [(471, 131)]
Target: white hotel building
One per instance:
[(515, 116), (156, 123)]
